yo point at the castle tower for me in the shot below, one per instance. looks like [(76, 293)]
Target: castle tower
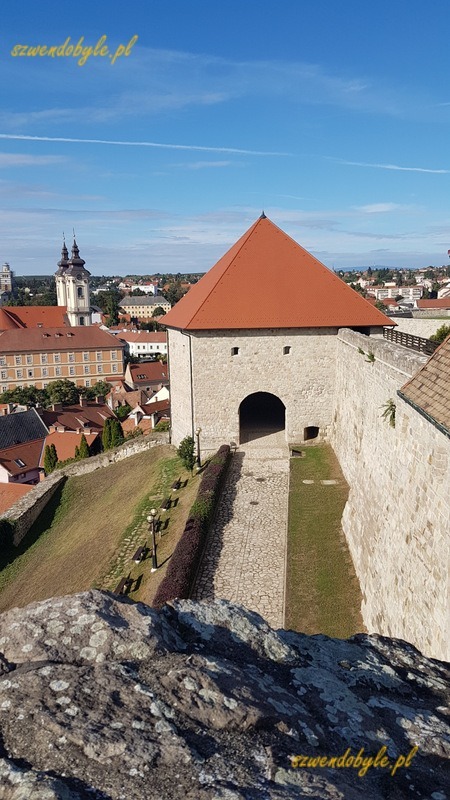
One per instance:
[(72, 286), (242, 357)]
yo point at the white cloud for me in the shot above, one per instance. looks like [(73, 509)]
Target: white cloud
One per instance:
[(380, 208), (26, 160)]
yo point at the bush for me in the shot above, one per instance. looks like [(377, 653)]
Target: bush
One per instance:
[(182, 568), (441, 334), (164, 425), (186, 452)]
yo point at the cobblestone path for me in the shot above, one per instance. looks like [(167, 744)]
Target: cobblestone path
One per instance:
[(245, 556)]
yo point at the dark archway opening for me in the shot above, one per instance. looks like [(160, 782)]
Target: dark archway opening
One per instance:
[(311, 432), (260, 414)]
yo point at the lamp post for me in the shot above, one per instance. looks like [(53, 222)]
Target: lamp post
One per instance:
[(197, 433), (152, 521)]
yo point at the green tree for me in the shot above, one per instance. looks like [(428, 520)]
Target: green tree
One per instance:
[(63, 391), (441, 334), (50, 458), (116, 433), (186, 452), (106, 435), (123, 411), (84, 448), (26, 396), (380, 306), (158, 312)]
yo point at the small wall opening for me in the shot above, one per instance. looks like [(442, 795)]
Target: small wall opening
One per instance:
[(311, 432), (235, 351), (286, 350)]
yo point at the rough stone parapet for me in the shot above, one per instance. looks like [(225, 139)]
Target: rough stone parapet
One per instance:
[(102, 697)]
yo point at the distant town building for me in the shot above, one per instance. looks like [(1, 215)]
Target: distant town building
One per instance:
[(35, 356), (407, 292), (143, 307), (144, 343), (6, 279)]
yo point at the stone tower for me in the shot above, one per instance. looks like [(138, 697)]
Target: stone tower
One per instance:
[(72, 286)]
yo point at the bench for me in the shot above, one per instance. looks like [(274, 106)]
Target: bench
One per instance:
[(123, 586), (165, 505), (139, 554), (176, 485)]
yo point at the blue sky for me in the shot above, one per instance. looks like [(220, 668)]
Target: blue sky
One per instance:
[(333, 117)]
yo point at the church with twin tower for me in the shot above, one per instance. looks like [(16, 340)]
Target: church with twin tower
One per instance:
[(72, 286)]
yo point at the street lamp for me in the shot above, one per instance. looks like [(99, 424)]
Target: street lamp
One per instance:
[(197, 433), (152, 521)]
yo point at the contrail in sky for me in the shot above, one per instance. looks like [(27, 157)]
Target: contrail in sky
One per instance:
[(142, 144), (392, 166)]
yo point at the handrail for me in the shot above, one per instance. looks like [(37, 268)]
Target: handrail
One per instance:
[(408, 340)]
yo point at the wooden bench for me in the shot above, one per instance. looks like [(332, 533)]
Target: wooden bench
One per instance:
[(139, 554), (123, 586), (176, 485), (165, 505)]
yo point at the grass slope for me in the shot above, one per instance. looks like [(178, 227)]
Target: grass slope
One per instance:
[(322, 591), (75, 540)]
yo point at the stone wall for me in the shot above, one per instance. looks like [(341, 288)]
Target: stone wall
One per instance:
[(180, 386), (420, 326), (397, 517), (302, 379), (27, 509)]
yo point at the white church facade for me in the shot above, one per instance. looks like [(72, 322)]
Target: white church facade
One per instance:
[(72, 286)]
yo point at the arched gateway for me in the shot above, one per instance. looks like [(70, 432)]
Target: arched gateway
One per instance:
[(260, 414)]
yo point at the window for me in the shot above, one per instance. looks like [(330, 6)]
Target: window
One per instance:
[(44, 358), (286, 350), (29, 359), (98, 356), (44, 372), (57, 371), (113, 355), (87, 383), (4, 388), (2, 361), (85, 356), (18, 360), (87, 369), (30, 373), (4, 374), (71, 370), (80, 295), (57, 358), (71, 357), (114, 367), (81, 320), (99, 368), (19, 462), (19, 373), (235, 351)]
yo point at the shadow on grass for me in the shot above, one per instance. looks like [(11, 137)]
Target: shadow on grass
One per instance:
[(39, 526)]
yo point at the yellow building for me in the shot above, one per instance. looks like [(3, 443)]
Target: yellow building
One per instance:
[(36, 356)]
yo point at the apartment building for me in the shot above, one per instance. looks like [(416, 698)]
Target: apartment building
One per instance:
[(36, 356)]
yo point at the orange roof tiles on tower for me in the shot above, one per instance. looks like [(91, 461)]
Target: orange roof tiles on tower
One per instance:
[(267, 280)]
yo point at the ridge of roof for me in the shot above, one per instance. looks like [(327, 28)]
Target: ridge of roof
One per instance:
[(236, 292)]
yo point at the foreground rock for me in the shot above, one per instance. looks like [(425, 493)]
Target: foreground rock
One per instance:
[(103, 698)]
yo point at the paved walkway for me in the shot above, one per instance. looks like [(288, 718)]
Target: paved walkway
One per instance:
[(245, 557)]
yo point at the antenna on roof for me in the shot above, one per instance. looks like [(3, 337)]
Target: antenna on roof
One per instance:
[(64, 237), (73, 229), (263, 216)]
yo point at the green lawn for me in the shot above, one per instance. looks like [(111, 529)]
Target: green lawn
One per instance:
[(322, 591), (76, 541)]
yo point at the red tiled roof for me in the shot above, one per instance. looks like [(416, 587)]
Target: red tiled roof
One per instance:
[(238, 292), (150, 371), (129, 425), (65, 443), (441, 302), (34, 316), (143, 336), (50, 339), (429, 388), (10, 493), (28, 454), (73, 417)]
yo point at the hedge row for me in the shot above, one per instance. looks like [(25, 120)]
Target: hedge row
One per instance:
[(181, 571)]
